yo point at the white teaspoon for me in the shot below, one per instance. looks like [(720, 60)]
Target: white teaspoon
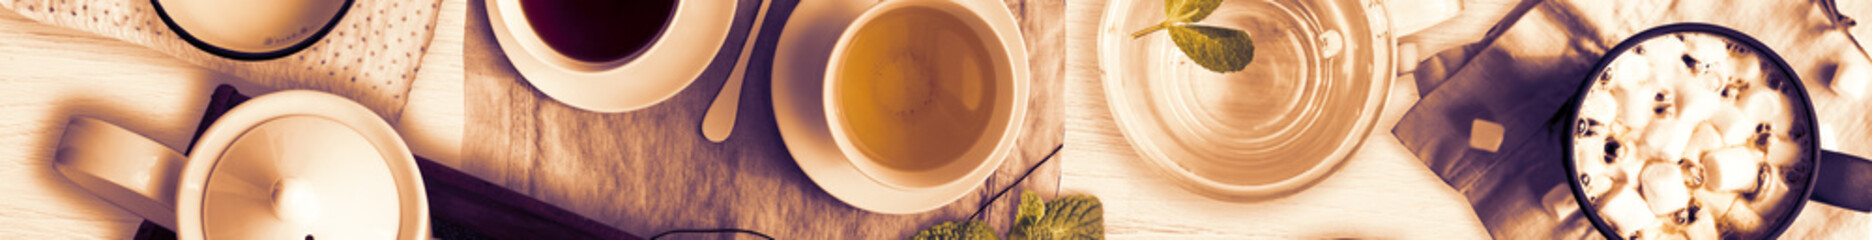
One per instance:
[(719, 121)]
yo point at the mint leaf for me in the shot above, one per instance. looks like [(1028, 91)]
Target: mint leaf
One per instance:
[(1189, 10), (1070, 217), (1218, 49), (1031, 209), (1214, 48), (1182, 11), (970, 230)]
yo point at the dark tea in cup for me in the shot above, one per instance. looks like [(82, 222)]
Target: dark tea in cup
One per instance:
[(598, 31)]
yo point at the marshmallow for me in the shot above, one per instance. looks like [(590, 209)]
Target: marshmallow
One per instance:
[(1666, 138), (1657, 231), (1663, 187), (1783, 152), (1599, 184), (1695, 104), (1637, 106), (1767, 105), (1589, 155), (1703, 227), (1627, 211), (1746, 66), (1734, 126), (1600, 107), (1664, 52), (1704, 139), (1851, 78), (1715, 203), (1731, 169), (1707, 49), (1741, 218), (1629, 71)]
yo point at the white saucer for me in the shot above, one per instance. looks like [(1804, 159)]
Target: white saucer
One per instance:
[(695, 33), (798, 74)]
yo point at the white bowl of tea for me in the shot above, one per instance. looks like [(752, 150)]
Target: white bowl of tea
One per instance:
[(920, 93)]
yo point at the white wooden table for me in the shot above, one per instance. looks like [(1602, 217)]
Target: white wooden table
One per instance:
[(50, 74), (1381, 192)]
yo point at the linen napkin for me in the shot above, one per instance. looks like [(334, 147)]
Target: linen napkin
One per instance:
[(370, 56), (1515, 178)]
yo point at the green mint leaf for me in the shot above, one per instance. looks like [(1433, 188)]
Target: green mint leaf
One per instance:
[(1214, 48), (1031, 208), (1184, 11), (970, 230), (1071, 217), (1181, 11)]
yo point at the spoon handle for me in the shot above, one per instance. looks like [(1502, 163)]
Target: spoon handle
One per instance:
[(719, 121)]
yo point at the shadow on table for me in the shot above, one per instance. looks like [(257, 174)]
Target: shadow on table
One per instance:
[(100, 105)]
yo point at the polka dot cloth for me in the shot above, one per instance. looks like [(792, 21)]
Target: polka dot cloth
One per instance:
[(370, 56)]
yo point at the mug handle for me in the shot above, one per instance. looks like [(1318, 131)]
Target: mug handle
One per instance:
[(122, 167), (1845, 181)]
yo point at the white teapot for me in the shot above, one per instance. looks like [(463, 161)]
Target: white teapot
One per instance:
[(288, 165)]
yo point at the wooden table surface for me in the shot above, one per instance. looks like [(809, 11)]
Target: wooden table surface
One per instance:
[(1380, 192), (50, 74)]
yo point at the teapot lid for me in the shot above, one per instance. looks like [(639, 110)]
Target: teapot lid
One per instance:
[(301, 165), (300, 177)]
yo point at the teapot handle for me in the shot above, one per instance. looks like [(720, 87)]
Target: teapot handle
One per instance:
[(1845, 181), (122, 167)]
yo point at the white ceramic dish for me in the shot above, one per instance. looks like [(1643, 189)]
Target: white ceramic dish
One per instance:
[(1308, 100), (696, 32), (996, 140), (251, 30), (289, 165), (799, 68)]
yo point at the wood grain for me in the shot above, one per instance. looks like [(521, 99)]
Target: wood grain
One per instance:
[(650, 170), (1381, 192), (49, 74)]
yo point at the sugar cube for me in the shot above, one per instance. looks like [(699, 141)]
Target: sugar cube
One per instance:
[(1485, 135)]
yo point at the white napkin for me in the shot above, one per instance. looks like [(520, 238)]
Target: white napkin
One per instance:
[(370, 56)]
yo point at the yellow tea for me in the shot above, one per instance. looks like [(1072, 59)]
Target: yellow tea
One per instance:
[(917, 89)]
